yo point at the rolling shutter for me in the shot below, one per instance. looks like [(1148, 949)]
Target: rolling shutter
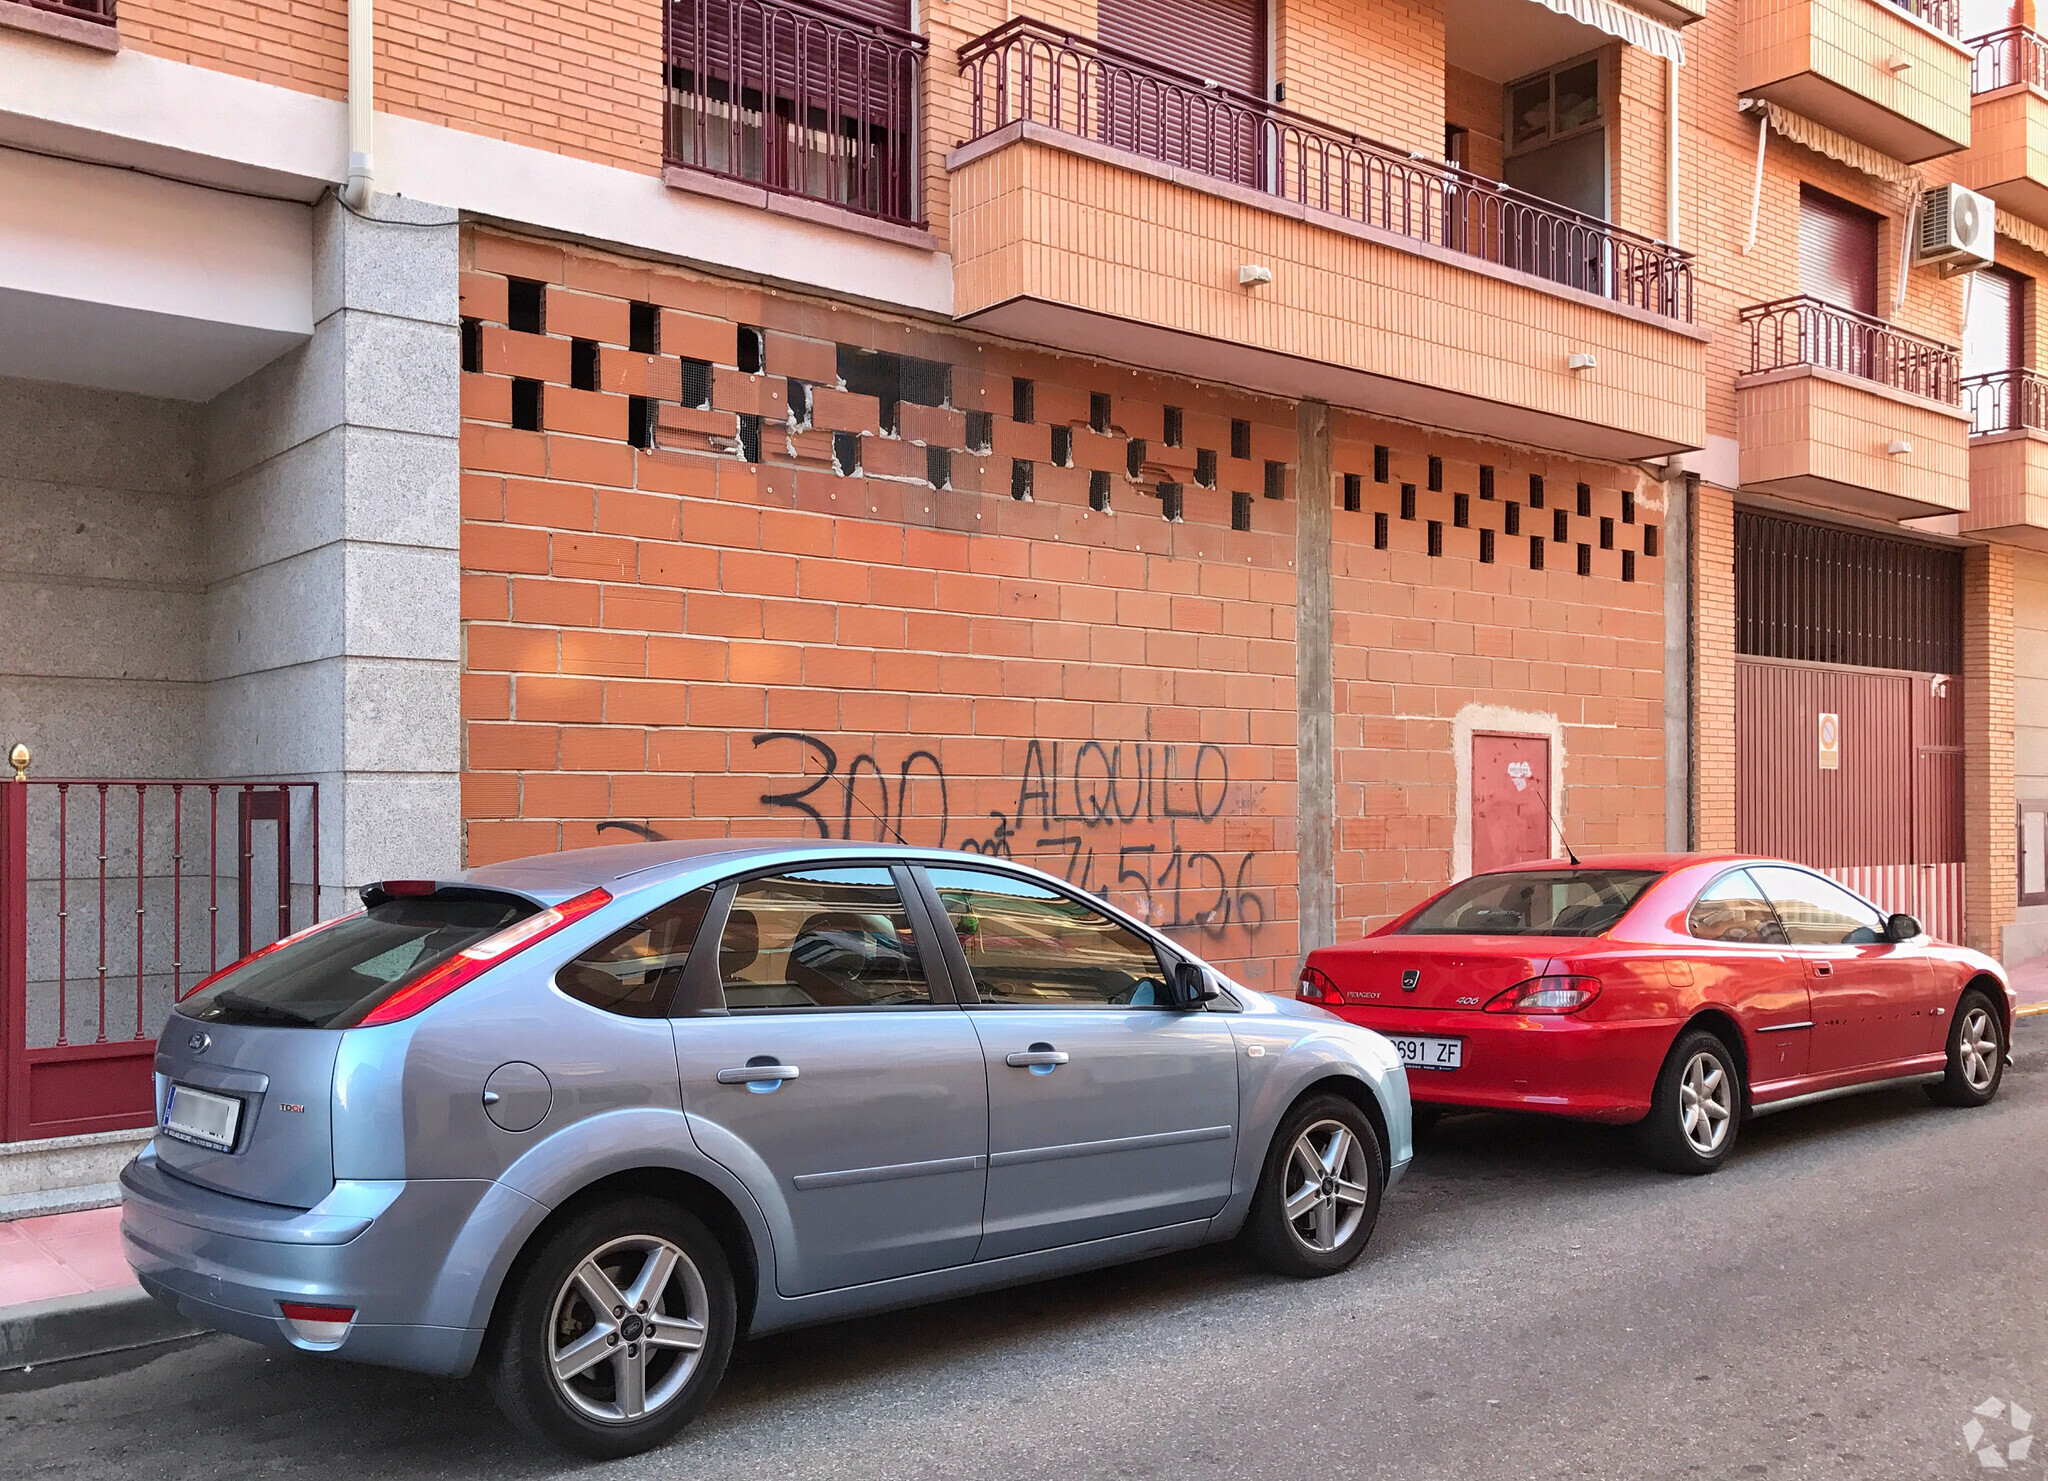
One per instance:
[(1215, 40), (1991, 339), (1837, 251)]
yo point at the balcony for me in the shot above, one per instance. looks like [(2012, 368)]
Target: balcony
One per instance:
[(794, 109), (1894, 77), (2008, 154), (87, 21), (1109, 206), (1845, 410), (2008, 458)]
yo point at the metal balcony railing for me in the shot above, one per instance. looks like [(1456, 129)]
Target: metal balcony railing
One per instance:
[(797, 98), (1810, 331), (2016, 54), (1945, 16), (2006, 401), (1027, 71), (100, 12)]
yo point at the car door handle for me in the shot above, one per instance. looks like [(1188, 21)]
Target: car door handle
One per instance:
[(1024, 1059), (747, 1074), (1823, 969)]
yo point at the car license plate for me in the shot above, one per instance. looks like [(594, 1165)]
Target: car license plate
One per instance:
[(200, 1116), (1422, 1052)]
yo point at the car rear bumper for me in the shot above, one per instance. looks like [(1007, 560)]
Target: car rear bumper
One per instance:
[(1559, 1065), (381, 1248)]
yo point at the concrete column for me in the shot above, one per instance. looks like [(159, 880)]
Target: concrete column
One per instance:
[(1315, 684), (333, 638), (1989, 846), (1679, 494)]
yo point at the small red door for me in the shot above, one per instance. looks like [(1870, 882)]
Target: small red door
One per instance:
[(1510, 800)]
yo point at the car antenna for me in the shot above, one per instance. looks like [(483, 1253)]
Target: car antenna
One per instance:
[(853, 796), (1563, 842)]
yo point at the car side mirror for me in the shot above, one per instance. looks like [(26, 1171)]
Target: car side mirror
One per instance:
[(1901, 928), (1190, 986)]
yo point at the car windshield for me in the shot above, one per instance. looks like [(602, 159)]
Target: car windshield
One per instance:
[(1533, 902), (333, 976)]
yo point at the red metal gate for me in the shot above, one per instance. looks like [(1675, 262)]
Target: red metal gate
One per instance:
[(112, 893)]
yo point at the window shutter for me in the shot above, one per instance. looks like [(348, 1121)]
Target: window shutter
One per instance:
[(1837, 251), (1215, 40)]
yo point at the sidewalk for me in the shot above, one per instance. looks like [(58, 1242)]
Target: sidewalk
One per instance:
[(2030, 981), (66, 1291)]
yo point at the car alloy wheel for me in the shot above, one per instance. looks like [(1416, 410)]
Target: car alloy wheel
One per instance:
[(627, 1328), (1978, 1049), (1706, 1103), (1327, 1192)]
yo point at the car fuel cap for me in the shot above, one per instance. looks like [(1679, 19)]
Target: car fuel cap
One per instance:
[(517, 1096)]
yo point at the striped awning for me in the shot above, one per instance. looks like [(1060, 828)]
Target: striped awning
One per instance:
[(1631, 26)]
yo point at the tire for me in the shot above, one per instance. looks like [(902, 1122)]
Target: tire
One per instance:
[(1976, 1053), (1696, 1108), (1338, 1205), (598, 1258)]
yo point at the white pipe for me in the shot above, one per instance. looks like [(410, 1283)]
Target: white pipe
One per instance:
[(1756, 192), (362, 125), (1671, 151)]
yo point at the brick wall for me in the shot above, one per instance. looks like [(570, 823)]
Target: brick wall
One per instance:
[(688, 641), (1377, 69), (1474, 104), (1988, 661), (1713, 737), (299, 44)]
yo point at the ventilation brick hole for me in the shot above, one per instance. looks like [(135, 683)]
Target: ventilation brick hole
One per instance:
[(1205, 467), (472, 344), (1407, 501), (1486, 547), (1098, 491), (1606, 532), (1134, 457), (1170, 506), (938, 467), (643, 326), (1585, 560), (981, 431), (1023, 401), (525, 306), (751, 352), (526, 405), (1276, 479), (1650, 536), (1560, 526), (1536, 493), (1240, 438), (696, 385), (1486, 480), (1240, 511), (1535, 552), (799, 405), (1461, 510), (1098, 411), (846, 453), (1354, 493), (1436, 474), (1585, 501), (1380, 458), (1628, 565), (1063, 447), (1628, 506), (641, 412), (1379, 530), (583, 365), (1436, 537), (1512, 513), (750, 437), (1176, 426), (1020, 479)]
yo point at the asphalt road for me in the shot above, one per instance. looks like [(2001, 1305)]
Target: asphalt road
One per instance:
[(1833, 1303)]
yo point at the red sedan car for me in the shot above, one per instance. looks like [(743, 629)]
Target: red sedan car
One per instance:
[(1677, 991)]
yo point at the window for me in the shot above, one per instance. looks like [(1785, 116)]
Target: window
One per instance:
[(820, 938), (1553, 104), (1032, 947), (1533, 902), (1838, 263), (1732, 908), (634, 972), (1992, 347), (1817, 913)]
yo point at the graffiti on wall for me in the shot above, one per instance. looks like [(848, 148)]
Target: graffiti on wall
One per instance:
[(1141, 821)]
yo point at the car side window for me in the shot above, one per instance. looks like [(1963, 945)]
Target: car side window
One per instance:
[(820, 938), (1733, 908), (634, 972), (1034, 947), (1817, 912)]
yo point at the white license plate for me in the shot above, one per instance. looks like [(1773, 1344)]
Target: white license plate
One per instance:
[(1423, 1052), (201, 1116)]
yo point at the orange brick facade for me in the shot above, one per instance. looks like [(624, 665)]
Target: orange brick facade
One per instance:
[(686, 641)]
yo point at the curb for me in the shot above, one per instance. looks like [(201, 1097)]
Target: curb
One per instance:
[(96, 1323), (2030, 1010)]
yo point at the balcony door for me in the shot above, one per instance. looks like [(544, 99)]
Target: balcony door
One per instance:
[(1991, 347), (1159, 99), (1838, 265)]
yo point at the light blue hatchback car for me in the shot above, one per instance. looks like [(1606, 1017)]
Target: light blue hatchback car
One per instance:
[(584, 1120)]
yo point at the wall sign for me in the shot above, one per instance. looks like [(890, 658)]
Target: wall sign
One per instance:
[(1830, 742)]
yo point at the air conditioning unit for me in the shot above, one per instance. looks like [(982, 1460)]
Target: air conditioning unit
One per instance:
[(1956, 229)]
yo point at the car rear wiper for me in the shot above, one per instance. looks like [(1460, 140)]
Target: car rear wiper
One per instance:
[(263, 1012)]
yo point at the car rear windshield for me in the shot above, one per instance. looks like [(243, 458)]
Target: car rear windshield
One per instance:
[(1533, 902), (333, 976)]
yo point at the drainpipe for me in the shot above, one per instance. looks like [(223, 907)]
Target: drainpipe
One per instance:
[(362, 67)]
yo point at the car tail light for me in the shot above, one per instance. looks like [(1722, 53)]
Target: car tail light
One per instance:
[(473, 961), (1316, 987), (321, 1324), (1546, 995), (263, 951)]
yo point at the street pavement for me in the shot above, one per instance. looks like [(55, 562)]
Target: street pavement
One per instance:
[(1834, 1303)]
